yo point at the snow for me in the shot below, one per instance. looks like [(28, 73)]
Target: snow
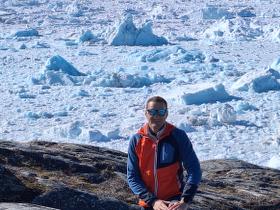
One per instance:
[(69, 73)]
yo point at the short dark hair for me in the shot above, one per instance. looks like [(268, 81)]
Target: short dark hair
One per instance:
[(156, 99)]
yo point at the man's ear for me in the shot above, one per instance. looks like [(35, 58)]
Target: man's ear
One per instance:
[(146, 113), (166, 115)]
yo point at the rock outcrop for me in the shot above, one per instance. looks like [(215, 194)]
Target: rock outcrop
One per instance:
[(73, 177)]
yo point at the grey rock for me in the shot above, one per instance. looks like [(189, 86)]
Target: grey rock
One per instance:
[(72, 176)]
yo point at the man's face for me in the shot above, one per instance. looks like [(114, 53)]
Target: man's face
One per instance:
[(153, 113)]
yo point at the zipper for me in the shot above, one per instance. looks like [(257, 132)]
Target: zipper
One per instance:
[(155, 168)]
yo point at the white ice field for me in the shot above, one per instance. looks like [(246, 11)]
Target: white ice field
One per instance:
[(81, 71)]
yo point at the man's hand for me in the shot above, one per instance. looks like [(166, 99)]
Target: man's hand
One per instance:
[(161, 205), (178, 206)]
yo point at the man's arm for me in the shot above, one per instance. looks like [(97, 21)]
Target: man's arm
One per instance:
[(133, 174), (190, 163)]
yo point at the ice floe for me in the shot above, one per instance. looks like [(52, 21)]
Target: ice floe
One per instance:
[(127, 34), (200, 94), (58, 71), (175, 54), (88, 36), (123, 79), (234, 29), (258, 81), (26, 33), (212, 12)]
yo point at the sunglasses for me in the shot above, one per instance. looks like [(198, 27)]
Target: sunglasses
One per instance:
[(159, 112)]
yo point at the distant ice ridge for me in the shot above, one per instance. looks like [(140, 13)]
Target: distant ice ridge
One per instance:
[(200, 94), (122, 79), (259, 81), (22, 2), (26, 33), (77, 130), (234, 29), (74, 9), (175, 54), (127, 34), (214, 12), (58, 71), (274, 162), (87, 36)]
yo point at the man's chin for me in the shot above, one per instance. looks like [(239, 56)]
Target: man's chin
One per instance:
[(156, 126)]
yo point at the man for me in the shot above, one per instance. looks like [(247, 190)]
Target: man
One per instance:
[(157, 156)]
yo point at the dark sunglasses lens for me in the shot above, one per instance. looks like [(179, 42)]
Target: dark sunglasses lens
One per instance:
[(162, 112), (154, 112)]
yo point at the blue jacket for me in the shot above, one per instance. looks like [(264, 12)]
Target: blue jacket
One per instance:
[(155, 165)]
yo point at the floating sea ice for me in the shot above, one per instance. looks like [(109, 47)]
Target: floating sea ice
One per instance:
[(112, 134), (236, 29), (226, 114), (85, 53), (32, 115), (58, 63), (53, 78), (127, 34), (96, 135), (212, 12), (190, 56), (185, 38), (71, 43), (122, 80), (3, 47), (26, 95), (26, 33), (60, 114), (258, 81), (88, 37), (186, 127), (174, 53), (41, 45), (274, 162), (22, 46), (146, 37), (81, 93), (70, 131), (74, 9), (200, 94), (156, 54), (275, 35), (158, 12), (247, 12), (244, 106), (58, 71), (46, 115), (276, 64)]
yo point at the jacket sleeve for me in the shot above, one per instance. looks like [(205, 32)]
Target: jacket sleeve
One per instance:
[(133, 174), (190, 163)]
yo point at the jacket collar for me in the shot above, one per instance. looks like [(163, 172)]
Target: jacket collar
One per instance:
[(164, 131)]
